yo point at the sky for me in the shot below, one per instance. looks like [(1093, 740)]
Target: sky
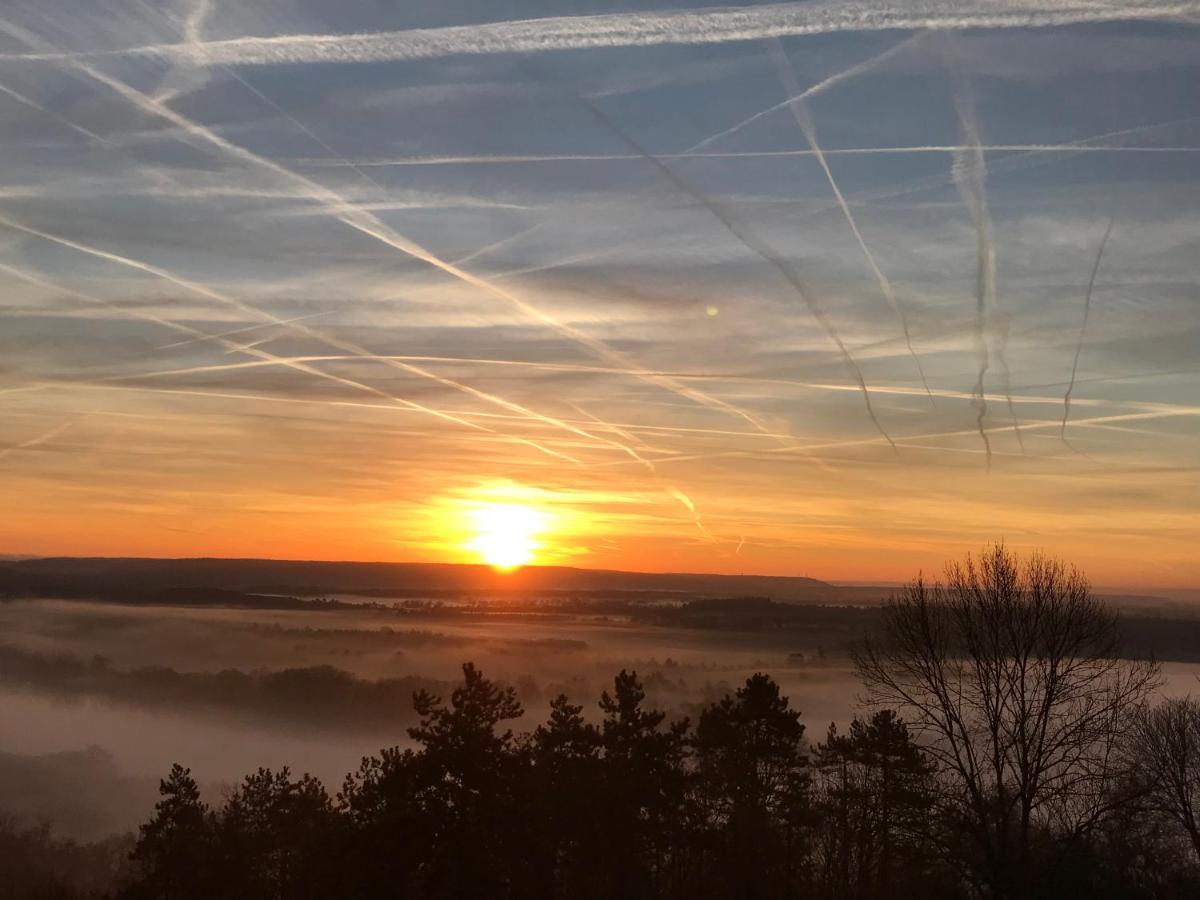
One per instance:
[(827, 289)]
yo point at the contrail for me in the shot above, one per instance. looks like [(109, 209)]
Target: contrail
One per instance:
[(616, 429), (1036, 156), (366, 223), (860, 442), (683, 498), (266, 356), (61, 119), (1087, 305), (600, 370), (187, 75), (970, 172), (787, 76), (646, 29), (40, 439), (799, 95), (339, 162), (496, 245), (759, 247), (482, 434), (967, 170), (243, 330)]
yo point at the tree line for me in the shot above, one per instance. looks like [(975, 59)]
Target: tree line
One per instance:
[(1008, 750)]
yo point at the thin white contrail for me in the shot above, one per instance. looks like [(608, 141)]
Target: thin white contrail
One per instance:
[(600, 370), (268, 357), (496, 245), (1019, 161), (862, 442), (500, 159), (1087, 306), (804, 120), (672, 491), (1159, 411), (649, 29), (40, 439), (690, 506), (366, 223), (482, 434), (61, 119), (798, 96), (187, 75), (969, 170), (963, 170), (616, 429), (242, 330)]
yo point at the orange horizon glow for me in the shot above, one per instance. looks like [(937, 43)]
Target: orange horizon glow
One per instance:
[(508, 524)]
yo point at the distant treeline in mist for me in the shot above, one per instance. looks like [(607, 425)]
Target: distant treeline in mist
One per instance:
[(313, 696), (145, 579)]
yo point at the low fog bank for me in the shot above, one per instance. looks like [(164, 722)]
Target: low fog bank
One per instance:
[(83, 793), (98, 699)]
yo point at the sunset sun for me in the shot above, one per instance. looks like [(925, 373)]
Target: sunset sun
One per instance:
[(506, 535)]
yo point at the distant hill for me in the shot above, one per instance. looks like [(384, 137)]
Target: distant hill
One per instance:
[(111, 577)]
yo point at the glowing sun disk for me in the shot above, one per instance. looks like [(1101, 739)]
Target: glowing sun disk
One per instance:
[(506, 534)]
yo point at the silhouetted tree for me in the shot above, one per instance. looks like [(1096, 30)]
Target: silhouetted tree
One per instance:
[(752, 785), (876, 793), (641, 814), (1010, 674), (277, 835), (175, 851), (564, 780), (1167, 754), (388, 825), (455, 801)]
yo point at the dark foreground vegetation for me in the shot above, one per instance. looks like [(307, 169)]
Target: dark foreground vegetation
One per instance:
[(1011, 750)]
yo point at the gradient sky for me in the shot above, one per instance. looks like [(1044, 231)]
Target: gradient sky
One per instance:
[(322, 280)]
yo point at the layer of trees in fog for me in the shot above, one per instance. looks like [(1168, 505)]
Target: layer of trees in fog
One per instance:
[(1009, 750)]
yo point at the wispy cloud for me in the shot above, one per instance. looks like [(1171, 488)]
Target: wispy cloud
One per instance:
[(650, 30)]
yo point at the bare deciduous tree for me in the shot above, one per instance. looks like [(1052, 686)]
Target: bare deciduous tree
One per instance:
[(1010, 673), (1167, 753)]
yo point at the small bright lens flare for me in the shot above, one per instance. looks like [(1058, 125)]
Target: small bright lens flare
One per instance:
[(506, 534)]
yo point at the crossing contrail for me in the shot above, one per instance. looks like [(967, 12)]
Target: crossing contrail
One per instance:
[(803, 119), (798, 95), (757, 246), (1087, 305), (368, 224), (262, 354)]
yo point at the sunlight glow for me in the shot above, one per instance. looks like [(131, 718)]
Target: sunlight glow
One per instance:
[(506, 534)]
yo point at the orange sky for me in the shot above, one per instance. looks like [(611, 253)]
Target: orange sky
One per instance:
[(864, 518)]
